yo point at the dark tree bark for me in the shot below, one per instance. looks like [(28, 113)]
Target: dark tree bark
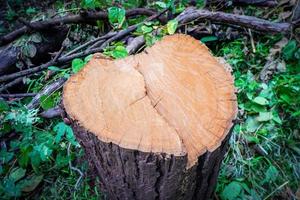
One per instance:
[(133, 175), (51, 42), (191, 14)]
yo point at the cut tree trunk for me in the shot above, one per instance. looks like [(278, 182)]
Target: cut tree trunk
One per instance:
[(154, 125)]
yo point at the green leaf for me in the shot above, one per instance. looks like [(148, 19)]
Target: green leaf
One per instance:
[(161, 4), (61, 160), (271, 174), (11, 189), (47, 102), (30, 183), (44, 151), (261, 101), (5, 156), (77, 64), (35, 159), (29, 50), (146, 29), (264, 116), (231, 191), (209, 39), (88, 58), (54, 68), (172, 26), (289, 50), (116, 15), (17, 174), (61, 129), (36, 38), (119, 52), (3, 106), (251, 124)]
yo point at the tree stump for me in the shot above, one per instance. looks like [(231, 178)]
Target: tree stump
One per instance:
[(155, 125)]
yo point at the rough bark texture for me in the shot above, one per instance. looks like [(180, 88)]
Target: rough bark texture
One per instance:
[(131, 174), (191, 14), (51, 42)]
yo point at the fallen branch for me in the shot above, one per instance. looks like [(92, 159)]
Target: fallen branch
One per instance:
[(11, 84), (49, 89), (66, 59), (267, 3), (192, 14), (12, 54), (19, 95), (57, 111), (83, 17)]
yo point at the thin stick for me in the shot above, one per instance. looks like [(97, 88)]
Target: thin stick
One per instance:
[(74, 168), (278, 188), (83, 17), (104, 37), (66, 59), (191, 14), (11, 84), (18, 95)]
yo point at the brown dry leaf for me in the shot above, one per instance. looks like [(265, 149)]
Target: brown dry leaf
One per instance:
[(298, 193), (278, 46)]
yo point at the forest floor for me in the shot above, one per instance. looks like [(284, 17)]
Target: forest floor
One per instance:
[(40, 157)]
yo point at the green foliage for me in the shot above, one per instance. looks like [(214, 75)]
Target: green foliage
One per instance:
[(208, 39), (26, 158), (116, 51), (172, 26), (231, 191), (116, 16), (268, 117), (77, 65)]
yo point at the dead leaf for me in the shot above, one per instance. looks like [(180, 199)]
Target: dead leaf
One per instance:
[(278, 46)]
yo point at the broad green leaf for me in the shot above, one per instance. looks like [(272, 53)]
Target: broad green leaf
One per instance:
[(29, 50), (161, 4), (172, 26), (209, 39), (271, 174), (36, 38), (44, 151), (252, 139), (261, 101), (251, 124), (77, 64), (10, 188), (119, 52), (88, 58), (231, 191), (17, 174), (289, 50), (264, 116), (29, 184), (62, 129), (54, 68), (3, 106), (5, 156), (35, 159), (276, 117), (146, 29), (61, 160), (47, 102), (116, 15)]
